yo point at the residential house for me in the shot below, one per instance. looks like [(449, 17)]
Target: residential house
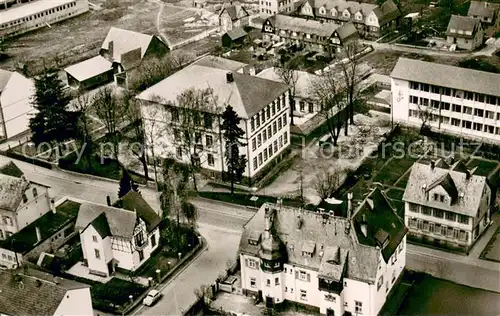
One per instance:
[(16, 92), (225, 64), (21, 203), (465, 32), (336, 265), (273, 7), (44, 235), (234, 37), (29, 295), (233, 16), (313, 35), (126, 50), (485, 11), (90, 73), (461, 101), (372, 21), (262, 105), (114, 238), (20, 19), (446, 205)]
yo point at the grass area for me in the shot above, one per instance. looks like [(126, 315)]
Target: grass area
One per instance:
[(484, 167), (161, 260), (395, 194), (492, 249), (245, 199), (431, 296), (394, 169), (83, 35), (113, 296), (174, 25)]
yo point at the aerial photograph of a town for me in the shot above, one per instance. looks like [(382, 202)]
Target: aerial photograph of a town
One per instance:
[(249, 157)]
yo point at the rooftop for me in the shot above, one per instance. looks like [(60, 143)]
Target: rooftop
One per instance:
[(233, 11), (49, 224), (447, 76), (341, 5), (10, 169), (30, 8), (247, 94), (330, 238), (89, 68), (236, 33), (220, 63), (460, 25), (11, 191), (133, 201), (482, 9), (463, 188), (4, 78), (296, 24), (125, 41), (29, 295), (302, 85)]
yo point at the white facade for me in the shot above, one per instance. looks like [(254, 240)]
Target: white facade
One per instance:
[(464, 113), (15, 105), (37, 14), (76, 302), (104, 255), (357, 296), (35, 202)]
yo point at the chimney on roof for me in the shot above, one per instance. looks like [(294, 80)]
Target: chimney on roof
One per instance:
[(364, 229), (111, 47), (433, 165), (267, 227), (299, 222), (108, 200), (349, 205), (229, 77), (467, 175), (38, 234)]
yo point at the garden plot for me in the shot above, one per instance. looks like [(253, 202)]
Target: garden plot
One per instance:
[(179, 24)]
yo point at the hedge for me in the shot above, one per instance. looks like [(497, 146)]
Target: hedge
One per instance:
[(35, 161)]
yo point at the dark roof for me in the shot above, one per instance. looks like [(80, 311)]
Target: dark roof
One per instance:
[(382, 223), (447, 76), (347, 31), (11, 191), (442, 164), (460, 25), (220, 63), (233, 11), (133, 201), (387, 12), (236, 33), (10, 169), (121, 222), (297, 24), (49, 224), (459, 166), (247, 94), (448, 185), (28, 296), (482, 9), (100, 224)]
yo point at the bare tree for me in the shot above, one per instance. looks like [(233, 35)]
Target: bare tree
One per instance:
[(151, 124), (325, 184), (287, 72), (350, 52), (191, 115), (82, 104), (329, 93), (139, 137), (150, 72), (426, 113)]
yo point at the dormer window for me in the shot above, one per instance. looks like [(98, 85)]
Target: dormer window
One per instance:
[(322, 10), (139, 238), (453, 31), (460, 32), (35, 193), (439, 197), (25, 198), (307, 254), (333, 12)]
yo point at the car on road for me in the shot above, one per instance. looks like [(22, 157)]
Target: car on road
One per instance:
[(152, 297)]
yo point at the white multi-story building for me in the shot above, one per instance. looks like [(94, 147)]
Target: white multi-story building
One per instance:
[(334, 264), (114, 238), (22, 18), (262, 105), (272, 7), (456, 100), (21, 203), (446, 205)]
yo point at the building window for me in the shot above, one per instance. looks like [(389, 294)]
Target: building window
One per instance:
[(210, 160), (139, 238), (260, 159), (303, 295), (274, 128), (330, 298), (358, 307), (380, 282), (451, 216), (97, 254), (265, 154), (463, 219), (427, 210), (141, 255), (275, 146), (268, 282), (35, 192), (179, 152), (259, 140), (252, 124), (208, 121), (153, 240), (252, 282), (276, 281), (252, 263), (254, 144), (255, 166), (257, 118), (285, 138), (94, 238), (209, 140)]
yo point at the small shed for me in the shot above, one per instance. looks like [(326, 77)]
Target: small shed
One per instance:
[(233, 37), (90, 73)]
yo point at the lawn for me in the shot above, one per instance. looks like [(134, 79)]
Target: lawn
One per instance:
[(161, 260), (484, 167), (393, 170), (79, 38), (431, 296), (246, 199), (180, 24), (113, 296)]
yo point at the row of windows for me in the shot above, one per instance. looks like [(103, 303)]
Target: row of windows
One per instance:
[(38, 15), (267, 113), (454, 107), (468, 95), (271, 130), (463, 219), (438, 229), (8, 257), (479, 127), (4, 235), (199, 119), (302, 106), (209, 140), (268, 152)]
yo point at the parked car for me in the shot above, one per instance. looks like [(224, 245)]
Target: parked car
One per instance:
[(152, 297)]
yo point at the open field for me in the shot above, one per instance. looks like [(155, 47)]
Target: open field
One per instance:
[(79, 38)]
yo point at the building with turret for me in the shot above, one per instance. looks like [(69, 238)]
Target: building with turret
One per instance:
[(328, 263)]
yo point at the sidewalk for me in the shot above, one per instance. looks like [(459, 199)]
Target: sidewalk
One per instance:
[(485, 238)]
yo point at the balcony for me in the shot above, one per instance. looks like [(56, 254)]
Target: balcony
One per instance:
[(330, 286)]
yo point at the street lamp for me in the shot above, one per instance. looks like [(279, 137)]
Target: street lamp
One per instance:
[(158, 274)]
